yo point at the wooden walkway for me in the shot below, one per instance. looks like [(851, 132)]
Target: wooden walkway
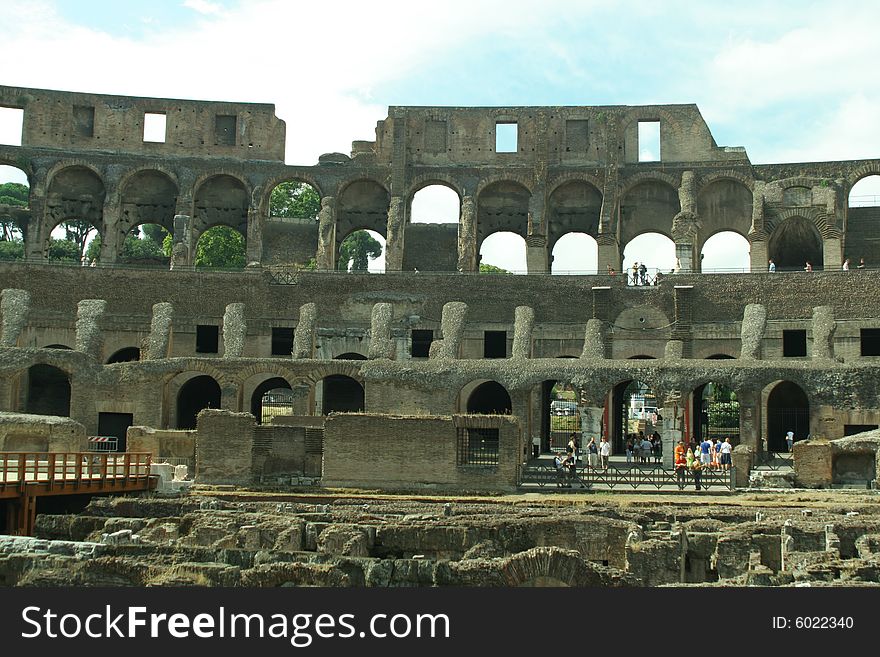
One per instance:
[(26, 476)]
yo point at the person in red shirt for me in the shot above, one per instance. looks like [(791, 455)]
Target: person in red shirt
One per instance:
[(680, 464)]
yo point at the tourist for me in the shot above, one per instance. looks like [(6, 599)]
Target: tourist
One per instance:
[(657, 443), (574, 446), (706, 452), (643, 274), (772, 267), (610, 270), (592, 454), (536, 446), (605, 452), (845, 266), (809, 266), (789, 439), (861, 263), (697, 471), (680, 464), (635, 271), (726, 449), (629, 449), (716, 456), (677, 268), (658, 277), (560, 465), (646, 449), (689, 457)]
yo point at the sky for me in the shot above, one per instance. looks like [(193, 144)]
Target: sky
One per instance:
[(790, 81)]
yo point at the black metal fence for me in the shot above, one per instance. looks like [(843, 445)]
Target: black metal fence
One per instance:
[(631, 478)]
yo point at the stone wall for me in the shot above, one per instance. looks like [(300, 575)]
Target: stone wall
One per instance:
[(161, 442), (224, 444), (41, 433), (395, 452)]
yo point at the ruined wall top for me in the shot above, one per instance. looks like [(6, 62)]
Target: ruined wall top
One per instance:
[(61, 119)]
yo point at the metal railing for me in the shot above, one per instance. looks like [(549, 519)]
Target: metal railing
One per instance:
[(638, 476), (103, 443)]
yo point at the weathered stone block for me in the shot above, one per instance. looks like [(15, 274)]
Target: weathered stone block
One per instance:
[(234, 330), (14, 306)]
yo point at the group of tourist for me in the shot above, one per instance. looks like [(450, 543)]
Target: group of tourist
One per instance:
[(710, 454), (566, 464), (808, 266), (641, 448)]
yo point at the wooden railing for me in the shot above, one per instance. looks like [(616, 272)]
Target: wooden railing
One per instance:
[(22, 468)]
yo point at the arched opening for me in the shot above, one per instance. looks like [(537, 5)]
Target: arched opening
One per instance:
[(340, 394), (716, 413), (560, 414), (503, 253), (221, 200), (196, 394), (795, 242), (489, 398), (653, 250), (788, 409), (125, 355), (220, 247), (720, 357), (14, 201), (725, 252), (362, 251), (289, 236), (74, 210), (861, 223), (350, 355), (295, 199), (650, 206), (58, 346), (634, 413), (435, 204), (573, 207), (146, 244), (575, 253), (271, 398), (48, 391)]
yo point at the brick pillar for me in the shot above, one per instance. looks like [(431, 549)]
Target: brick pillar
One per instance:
[(537, 257), (609, 253), (326, 254), (254, 248), (395, 234), (111, 238), (467, 236)]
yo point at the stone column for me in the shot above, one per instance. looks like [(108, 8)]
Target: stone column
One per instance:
[(609, 253), (326, 254), (304, 334), (381, 344), (111, 236), (15, 305), (594, 340), (750, 419), (832, 253), (467, 236), (234, 330), (523, 325), (824, 328), (758, 258), (89, 338), (182, 255), (754, 324), (672, 425), (537, 257), (158, 343), (452, 325), (395, 234), (757, 236), (254, 247)]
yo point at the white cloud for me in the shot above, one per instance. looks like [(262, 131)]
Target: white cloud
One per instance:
[(202, 6)]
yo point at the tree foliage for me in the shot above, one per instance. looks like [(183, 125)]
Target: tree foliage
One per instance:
[(79, 231), (294, 199), (136, 248), (64, 251), (11, 250), (221, 247), (357, 250), (16, 195), (491, 269)]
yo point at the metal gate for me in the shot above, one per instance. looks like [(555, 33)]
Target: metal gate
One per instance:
[(627, 478)]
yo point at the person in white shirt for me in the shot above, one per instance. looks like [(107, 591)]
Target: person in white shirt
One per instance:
[(605, 452), (726, 449)]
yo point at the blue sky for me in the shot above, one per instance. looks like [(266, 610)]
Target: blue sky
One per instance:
[(790, 81)]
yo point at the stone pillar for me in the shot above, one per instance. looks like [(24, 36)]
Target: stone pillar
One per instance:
[(159, 341), (229, 398), (757, 235), (467, 236), (395, 234), (832, 253), (742, 458), (758, 258), (304, 334), (111, 235), (326, 254), (686, 224), (15, 305), (537, 257), (591, 424), (672, 426), (750, 419), (381, 344), (609, 253), (89, 338), (754, 324), (594, 340), (254, 246), (234, 330), (224, 445), (824, 328), (182, 249), (523, 326), (452, 325)]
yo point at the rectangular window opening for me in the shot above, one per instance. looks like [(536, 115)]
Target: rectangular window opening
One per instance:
[(870, 342), (794, 343), (577, 136), (495, 344), (83, 121), (649, 141), (207, 339), (224, 130), (506, 137), (154, 127), (477, 446), (421, 342), (11, 125), (282, 341)]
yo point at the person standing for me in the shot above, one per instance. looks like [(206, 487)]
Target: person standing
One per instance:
[(697, 471), (536, 446), (592, 454), (605, 452), (726, 449), (629, 449), (845, 266), (706, 452), (861, 263), (809, 266), (680, 464), (643, 274), (635, 271), (772, 266), (789, 439)]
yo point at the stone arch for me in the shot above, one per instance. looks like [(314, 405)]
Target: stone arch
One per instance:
[(574, 252), (76, 193), (787, 409), (24, 165), (655, 249), (428, 185), (362, 204), (48, 390), (725, 250), (263, 193), (195, 393), (633, 398), (574, 205), (503, 206), (724, 204), (726, 174), (255, 389), (633, 181), (435, 178), (794, 241), (340, 394), (640, 330), (649, 206), (125, 355), (543, 566), (716, 410), (485, 397), (148, 196), (220, 199), (512, 177)]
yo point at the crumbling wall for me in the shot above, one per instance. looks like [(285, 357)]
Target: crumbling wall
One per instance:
[(224, 445)]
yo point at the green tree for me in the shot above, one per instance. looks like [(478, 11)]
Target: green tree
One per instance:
[(16, 195), (11, 250), (221, 247), (357, 250), (79, 231), (294, 199), (491, 269), (154, 232), (64, 251)]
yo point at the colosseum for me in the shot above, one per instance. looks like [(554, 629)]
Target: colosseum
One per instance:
[(435, 379)]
